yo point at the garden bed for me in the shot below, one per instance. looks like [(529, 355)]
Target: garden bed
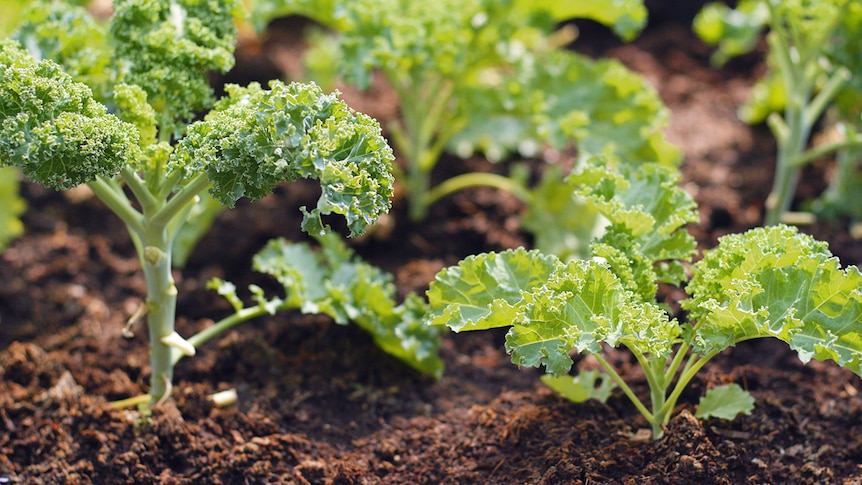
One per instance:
[(319, 403)]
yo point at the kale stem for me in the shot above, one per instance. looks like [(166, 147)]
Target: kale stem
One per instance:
[(112, 196), (476, 179), (626, 389)]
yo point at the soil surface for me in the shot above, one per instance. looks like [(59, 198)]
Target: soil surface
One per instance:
[(319, 403)]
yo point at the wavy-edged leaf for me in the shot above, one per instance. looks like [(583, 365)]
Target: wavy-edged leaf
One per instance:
[(336, 283), (52, 127), (70, 36), (582, 306), (560, 97), (292, 131), (647, 212), (486, 290), (776, 282)]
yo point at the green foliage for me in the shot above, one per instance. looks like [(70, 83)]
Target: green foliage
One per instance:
[(586, 385), (725, 402), (563, 97), (487, 75), (254, 139), (768, 282), (168, 49), (150, 71), (813, 65), (336, 283), (53, 128), (11, 207), (70, 36)]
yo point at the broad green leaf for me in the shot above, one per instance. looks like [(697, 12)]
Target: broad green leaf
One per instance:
[(585, 385), (486, 290), (725, 402), (295, 131), (775, 282), (626, 17), (560, 97)]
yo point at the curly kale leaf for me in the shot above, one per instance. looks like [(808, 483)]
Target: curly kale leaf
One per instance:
[(52, 128), (256, 138), (335, 282), (70, 36), (169, 47), (775, 282)]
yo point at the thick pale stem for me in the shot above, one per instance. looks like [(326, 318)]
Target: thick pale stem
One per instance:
[(161, 310)]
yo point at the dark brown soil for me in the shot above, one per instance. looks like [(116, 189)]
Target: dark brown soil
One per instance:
[(320, 404)]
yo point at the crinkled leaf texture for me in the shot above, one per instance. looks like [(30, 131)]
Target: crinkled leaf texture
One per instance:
[(562, 97), (168, 48), (70, 36), (647, 211), (552, 307), (336, 283), (776, 282), (52, 128), (256, 138)]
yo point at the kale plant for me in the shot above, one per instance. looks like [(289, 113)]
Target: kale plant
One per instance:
[(129, 135), (768, 282)]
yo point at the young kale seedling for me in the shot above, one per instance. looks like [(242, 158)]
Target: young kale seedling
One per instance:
[(768, 282), (139, 156), (813, 64)]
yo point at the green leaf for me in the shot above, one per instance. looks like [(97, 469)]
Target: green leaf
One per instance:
[(336, 283), (583, 305), (626, 17), (583, 386), (734, 30), (560, 97), (778, 283), (70, 36), (562, 223), (169, 50), (11, 207), (486, 290), (52, 127), (647, 212), (725, 402), (255, 139)]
